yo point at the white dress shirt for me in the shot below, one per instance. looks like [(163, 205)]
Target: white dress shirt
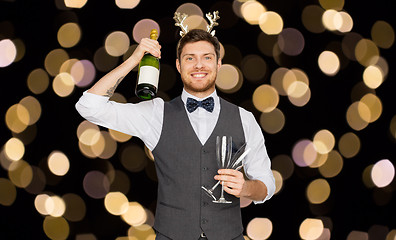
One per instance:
[(144, 120)]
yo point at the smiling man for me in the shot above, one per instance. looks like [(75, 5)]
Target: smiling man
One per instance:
[(182, 134)]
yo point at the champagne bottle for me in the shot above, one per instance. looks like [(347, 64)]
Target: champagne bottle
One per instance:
[(148, 74)]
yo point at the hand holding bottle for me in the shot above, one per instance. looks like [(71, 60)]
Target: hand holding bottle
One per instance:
[(147, 45), (149, 66)]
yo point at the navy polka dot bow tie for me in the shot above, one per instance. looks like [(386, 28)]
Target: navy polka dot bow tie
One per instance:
[(193, 104)]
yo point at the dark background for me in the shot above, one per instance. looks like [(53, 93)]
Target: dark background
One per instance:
[(351, 205)]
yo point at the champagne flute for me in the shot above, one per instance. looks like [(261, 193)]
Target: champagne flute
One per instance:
[(223, 157)]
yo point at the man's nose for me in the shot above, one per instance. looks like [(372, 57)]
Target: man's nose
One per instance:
[(198, 64)]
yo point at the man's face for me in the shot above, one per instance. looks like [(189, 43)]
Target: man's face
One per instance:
[(198, 68)]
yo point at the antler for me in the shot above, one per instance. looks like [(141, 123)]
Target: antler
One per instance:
[(212, 19), (180, 22)]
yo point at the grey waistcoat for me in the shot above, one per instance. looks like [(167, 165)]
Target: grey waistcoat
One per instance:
[(183, 165)]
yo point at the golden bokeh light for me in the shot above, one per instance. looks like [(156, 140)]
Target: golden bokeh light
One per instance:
[(54, 60), (349, 145), (127, 4), (333, 165), (332, 4), (8, 192), (318, 191), (143, 231), (38, 81), (229, 78), (383, 34), (34, 108), (190, 9), (253, 67), (383, 173), (281, 79), (17, 118), (311, 17), (63, 84), (271, 23), (135, 215), (69, 35), (319, 161), (119, 136), (366, 176), (354, 117), (311, 229), (251, 11), (58, 163), (75, 3), (278, 181), (75, 207), (117, 43), (116, 203), (133, 158), (284, 165), (373, 104), (196, 22), (328, 19), (55, 206), (259, 228), (56, 228), (20, 49), (392, 127), (8, 52), (265, 98), (20, 173), (40, 203), (272, 122), (357, 235), (366, 52), (103, 61), (106, 147), (329, 63), (14, 149), (373, 76), (343, 22), (323, 141)]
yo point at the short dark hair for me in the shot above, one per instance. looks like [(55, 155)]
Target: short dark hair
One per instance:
[(196, 35)]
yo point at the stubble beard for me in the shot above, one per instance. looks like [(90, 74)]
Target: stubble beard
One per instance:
[(191, 88)]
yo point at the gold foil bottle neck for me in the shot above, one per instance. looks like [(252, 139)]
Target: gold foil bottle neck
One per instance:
[(154, 34)]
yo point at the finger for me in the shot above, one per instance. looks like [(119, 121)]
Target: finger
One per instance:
[(230, 172), (151, 46)]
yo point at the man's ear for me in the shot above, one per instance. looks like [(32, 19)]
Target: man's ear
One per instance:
[(178, 65), (218, 64)]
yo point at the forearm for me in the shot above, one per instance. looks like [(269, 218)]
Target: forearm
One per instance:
[(254, 190), (108, 83)]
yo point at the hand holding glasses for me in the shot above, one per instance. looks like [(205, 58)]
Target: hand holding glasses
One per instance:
[(225, 160)]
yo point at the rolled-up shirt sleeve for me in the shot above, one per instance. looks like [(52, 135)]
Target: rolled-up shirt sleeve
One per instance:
[(257, 164), (133, 119)]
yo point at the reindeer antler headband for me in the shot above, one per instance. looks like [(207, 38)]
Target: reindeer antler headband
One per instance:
[(180, 18)]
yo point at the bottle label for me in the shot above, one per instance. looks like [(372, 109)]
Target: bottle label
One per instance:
[(148, 74)]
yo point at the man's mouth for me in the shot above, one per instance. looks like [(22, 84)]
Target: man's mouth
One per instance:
[(198, 75)]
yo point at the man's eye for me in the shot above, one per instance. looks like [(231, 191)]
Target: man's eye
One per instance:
[(208, 58), (189, 58)]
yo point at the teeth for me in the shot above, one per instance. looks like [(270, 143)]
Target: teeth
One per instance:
[(199, 75)]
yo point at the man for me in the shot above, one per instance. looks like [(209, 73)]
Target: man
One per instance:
[(183, 142)]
